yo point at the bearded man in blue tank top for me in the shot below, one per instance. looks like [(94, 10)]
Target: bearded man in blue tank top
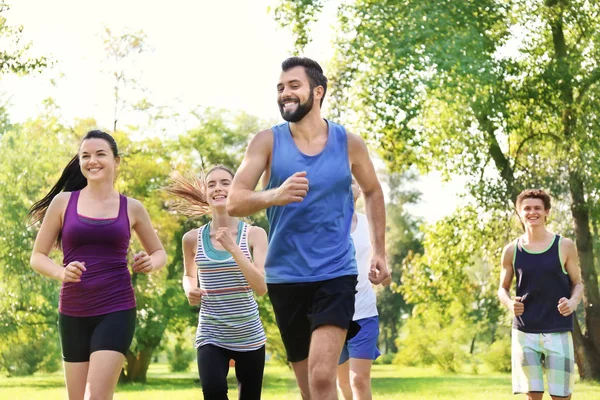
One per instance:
[(548, 290), (307, 166)]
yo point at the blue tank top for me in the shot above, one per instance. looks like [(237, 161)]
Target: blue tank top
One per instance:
[(541, 282), (310, 241)]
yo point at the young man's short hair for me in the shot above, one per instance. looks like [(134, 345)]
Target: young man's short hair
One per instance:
[(534, 194)]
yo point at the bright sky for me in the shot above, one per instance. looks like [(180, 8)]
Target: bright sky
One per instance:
[(224, 53)]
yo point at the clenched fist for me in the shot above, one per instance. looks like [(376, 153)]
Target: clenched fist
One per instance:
[(293, 190), (73, 271)]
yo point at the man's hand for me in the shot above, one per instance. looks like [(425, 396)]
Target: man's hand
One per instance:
[(566, 306), (293, 190), (518, 308), (379, 272)]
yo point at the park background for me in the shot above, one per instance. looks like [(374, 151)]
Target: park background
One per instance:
[(463, 104)]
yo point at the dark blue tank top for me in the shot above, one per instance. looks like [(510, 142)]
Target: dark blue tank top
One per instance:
[(541, 282), (310, 241)]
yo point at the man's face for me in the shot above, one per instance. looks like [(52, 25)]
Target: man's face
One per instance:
[(532, 212), (295, 97)]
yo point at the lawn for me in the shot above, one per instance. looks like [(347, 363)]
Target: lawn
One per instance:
[(389, 382)]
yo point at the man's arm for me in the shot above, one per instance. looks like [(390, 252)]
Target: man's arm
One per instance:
[(567, 306), (364, 173), (243, 200), (506, 277)]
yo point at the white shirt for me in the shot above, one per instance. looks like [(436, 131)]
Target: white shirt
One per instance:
[(365, 304)]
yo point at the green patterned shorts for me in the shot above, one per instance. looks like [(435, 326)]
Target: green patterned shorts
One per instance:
[(534, 352)]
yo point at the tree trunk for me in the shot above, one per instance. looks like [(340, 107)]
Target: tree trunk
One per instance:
[(588, 342), (588, 366), (137, 365)]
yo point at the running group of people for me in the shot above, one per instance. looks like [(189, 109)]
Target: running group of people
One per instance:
[(318, 263)]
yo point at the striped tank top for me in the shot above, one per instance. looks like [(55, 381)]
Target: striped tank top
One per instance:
[(228, 312)]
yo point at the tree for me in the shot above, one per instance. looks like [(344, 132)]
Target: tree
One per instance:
[(13, 58), (121, 49), (403, 239), (28, 316), (503, 92)]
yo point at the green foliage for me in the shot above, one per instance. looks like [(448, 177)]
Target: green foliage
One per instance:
[(28, 304), (403, 238), (180, 354), (13, 56), (33, 348), (498, 355), (385, 359), (435, 336), (298, 15)]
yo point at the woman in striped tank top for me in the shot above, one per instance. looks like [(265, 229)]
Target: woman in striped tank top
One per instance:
[(227, 256)]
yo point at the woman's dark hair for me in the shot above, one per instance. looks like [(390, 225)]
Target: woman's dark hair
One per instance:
[(313, 71), (191, 192), (71, 179)]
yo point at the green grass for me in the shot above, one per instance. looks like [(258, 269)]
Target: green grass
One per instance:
[(389, 382)]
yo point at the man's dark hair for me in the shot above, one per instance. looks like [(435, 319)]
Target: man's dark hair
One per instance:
[(313, 71), (534, 194)]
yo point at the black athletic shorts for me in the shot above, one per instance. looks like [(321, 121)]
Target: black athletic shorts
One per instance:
[(300, 308), (81, 336)]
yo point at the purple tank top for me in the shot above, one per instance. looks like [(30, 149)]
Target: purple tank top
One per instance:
[(102, 244)]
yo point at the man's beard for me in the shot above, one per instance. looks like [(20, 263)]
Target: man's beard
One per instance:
[(301, 110)]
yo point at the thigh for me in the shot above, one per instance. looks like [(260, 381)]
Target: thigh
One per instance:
[(213, 367), (527, 372), (75, 337), (292, 305), (75, 379), (364, 344), (325, 348), (114, 331), (103, 375), (249, 369), (559, 363), (361, 369), (333, 304)]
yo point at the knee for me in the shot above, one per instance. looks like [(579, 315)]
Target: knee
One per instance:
[(322, 381), (214, 392), (98, 396), (361, 383)]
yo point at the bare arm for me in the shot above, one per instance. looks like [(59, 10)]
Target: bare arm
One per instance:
[(243, 200), (567, 306), (45, 240), (254, 271), (364, 173), (506, 277), (154, 257), (190, 271)]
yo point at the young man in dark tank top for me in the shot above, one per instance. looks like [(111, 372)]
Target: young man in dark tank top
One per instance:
[(548, 290), (307, 166)]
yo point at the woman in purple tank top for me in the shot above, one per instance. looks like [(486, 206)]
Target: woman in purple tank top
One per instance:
[(92, 222)]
